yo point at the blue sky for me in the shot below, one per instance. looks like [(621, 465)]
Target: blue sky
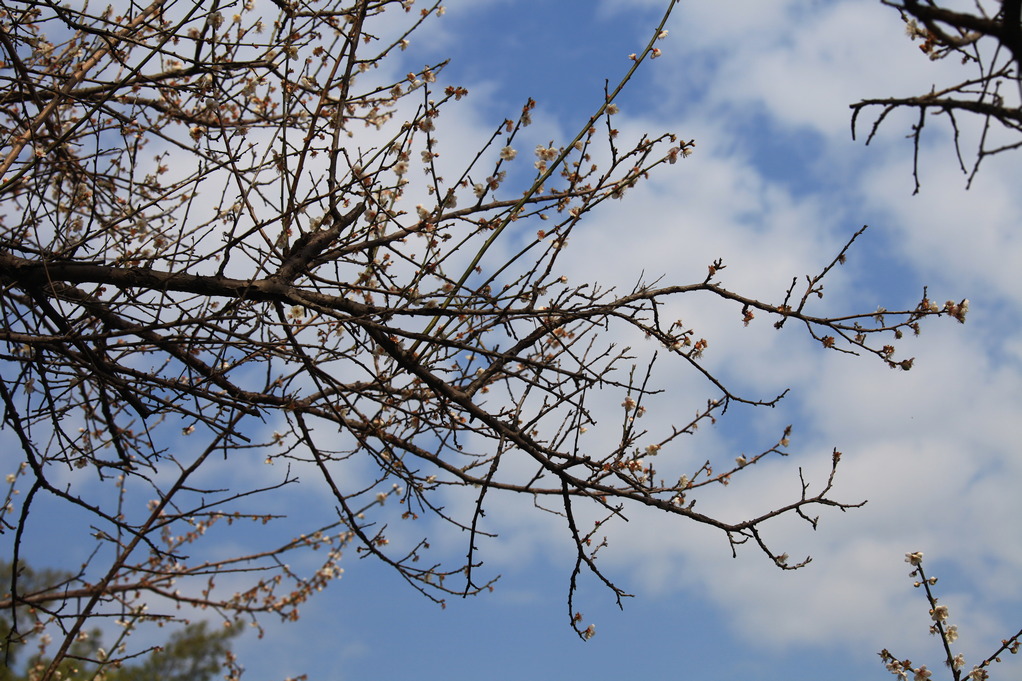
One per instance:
[(775, 188)]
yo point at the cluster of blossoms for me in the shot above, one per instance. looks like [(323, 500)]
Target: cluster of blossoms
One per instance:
[(948, 632), (930, 45), (545, 154)]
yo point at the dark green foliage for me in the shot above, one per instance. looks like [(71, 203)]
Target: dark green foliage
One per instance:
[(194, 653)]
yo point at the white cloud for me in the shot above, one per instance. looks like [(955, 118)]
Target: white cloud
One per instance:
[(932, 449), (969, 239)]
